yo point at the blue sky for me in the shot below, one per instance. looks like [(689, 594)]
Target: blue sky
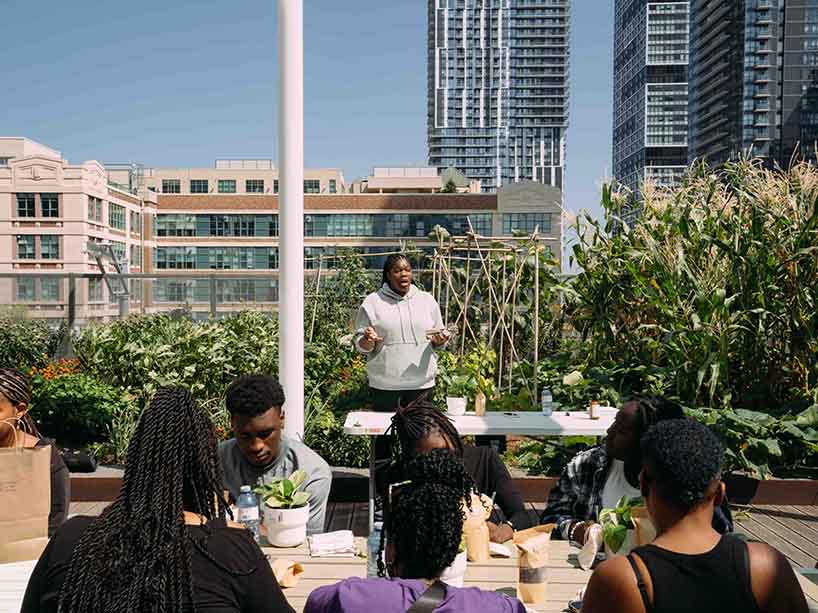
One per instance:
[(182, 83)]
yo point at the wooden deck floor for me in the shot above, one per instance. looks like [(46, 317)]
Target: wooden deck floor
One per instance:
[(790, 529)]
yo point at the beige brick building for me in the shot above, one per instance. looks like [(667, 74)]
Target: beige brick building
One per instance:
[(211, 235)]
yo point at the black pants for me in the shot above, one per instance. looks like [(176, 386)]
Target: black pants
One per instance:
[(388, 401)]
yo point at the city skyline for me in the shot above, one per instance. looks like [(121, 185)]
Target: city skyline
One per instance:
[(184, 90)]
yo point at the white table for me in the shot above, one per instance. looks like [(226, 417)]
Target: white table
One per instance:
[(559, 423)]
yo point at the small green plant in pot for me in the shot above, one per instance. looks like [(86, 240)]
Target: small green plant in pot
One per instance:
[(286, 510), (460, 388), (618, 528)]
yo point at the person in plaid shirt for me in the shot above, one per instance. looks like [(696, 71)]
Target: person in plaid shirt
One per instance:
[(597, 478)]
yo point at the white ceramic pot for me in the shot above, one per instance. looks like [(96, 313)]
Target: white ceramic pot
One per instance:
[(455, 406), (286, 527), (456, 572)]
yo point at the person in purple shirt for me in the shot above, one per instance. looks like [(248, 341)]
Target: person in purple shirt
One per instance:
[(423, 528)]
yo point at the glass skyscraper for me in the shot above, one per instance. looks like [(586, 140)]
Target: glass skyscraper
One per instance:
[(498, 89), (651, 44), (754, 79)]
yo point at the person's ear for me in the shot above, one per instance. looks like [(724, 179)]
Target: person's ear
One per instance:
[(720, 494), (20, 410), (644, 484)]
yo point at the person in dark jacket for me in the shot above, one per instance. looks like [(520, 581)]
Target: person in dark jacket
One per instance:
[(17, 427), (420, 428), (690, 566)]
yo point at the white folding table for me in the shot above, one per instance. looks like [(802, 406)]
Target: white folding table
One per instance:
[(559, 423)]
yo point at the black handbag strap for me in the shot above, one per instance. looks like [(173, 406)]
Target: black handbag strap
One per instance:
[(430, 599)]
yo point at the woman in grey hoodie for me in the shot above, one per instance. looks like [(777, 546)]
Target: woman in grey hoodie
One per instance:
[(398, 328)]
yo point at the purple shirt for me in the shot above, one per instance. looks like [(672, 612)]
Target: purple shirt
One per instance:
[(397, 595)]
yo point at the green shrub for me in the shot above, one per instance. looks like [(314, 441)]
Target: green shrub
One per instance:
[(26, 343), (77, 410), (324, 433), (143, 353)]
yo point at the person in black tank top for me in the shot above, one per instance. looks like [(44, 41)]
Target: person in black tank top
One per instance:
[(690, 567)]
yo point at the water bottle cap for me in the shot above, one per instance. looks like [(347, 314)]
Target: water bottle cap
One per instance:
[(245, 489)]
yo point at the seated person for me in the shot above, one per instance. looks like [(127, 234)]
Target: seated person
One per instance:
[(422, 427), (17, 427), (597, 478), (423, 529), (164, 543), (690, 566), (260, 452)]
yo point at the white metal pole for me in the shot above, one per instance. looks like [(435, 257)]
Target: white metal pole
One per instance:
[(291, 211)]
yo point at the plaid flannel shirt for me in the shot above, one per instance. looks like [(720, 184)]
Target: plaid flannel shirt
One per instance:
[(578, 494)]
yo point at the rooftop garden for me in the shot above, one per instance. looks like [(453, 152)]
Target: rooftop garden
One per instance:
[(710, 298)]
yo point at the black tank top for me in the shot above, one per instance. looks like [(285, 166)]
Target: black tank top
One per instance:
[(714, 582)]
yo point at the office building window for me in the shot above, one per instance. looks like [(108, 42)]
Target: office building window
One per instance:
[(254, 186), (94, 209), (119, 251), (25, 247), (136, 255), (227, 186), (116, 216), (50, 204), (25, 289), (275, 186), (526, 223), (198, 186), (49, 289), (175, 225), (175, 258), (172, 186), (25, 205), (136, 223), (312, 186), (95, 290), (4, 161), (50, 247), (333, 186)]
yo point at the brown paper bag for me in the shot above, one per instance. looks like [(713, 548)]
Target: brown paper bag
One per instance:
[(25, 501), (645, 530), (532, 558), (475, 529), (287, 572)]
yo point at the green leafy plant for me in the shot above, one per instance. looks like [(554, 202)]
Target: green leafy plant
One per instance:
[(616, 522), (76, 409), (283, 493), (26, 343)]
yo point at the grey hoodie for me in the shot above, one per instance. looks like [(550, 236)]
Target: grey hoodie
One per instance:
[(404, 359)]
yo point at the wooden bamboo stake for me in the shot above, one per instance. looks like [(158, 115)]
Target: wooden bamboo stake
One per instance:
[(536, 312), (317, 294), (466, 301)]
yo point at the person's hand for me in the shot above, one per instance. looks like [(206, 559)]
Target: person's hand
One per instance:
[(580, 533), (440, 339), (369, 339), (371, 335), (500, 533)]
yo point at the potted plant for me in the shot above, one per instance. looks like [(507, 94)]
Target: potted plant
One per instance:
[(286, 510), (455, 573), (618, 528), (457, 393)]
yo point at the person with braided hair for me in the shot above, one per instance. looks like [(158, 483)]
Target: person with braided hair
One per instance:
[(164, 544), (422, 529), (420, 428), (690, 566), (17, 428), (597, 478)]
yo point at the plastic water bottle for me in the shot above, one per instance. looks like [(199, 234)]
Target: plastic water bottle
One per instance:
[(248, 515), (547, 402), (373, 546)]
